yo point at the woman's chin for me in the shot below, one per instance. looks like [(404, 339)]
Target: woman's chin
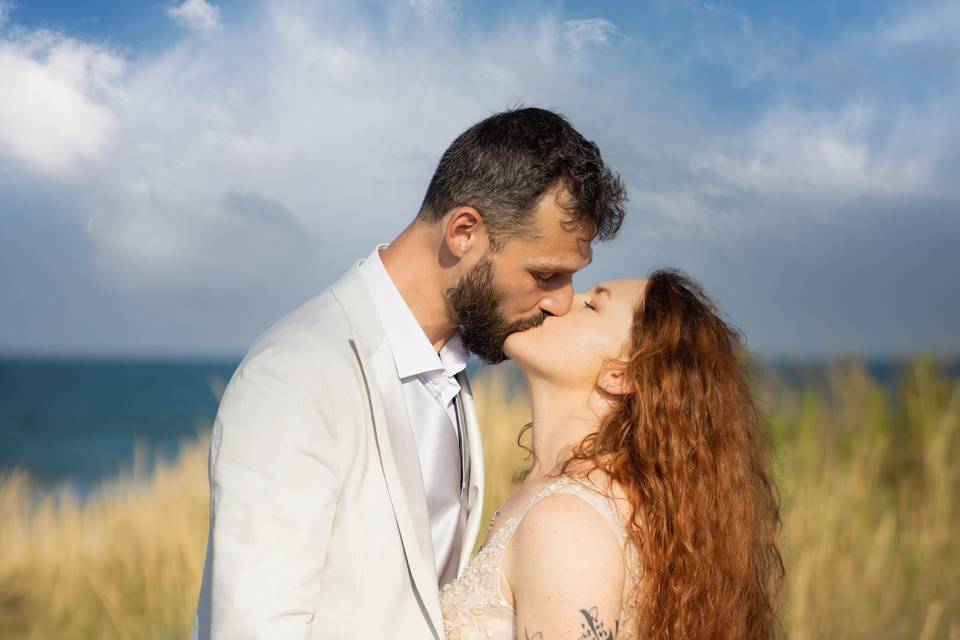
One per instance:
[(508, 346), (517, 347)]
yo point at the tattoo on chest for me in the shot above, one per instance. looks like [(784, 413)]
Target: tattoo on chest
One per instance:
[(592, 628)]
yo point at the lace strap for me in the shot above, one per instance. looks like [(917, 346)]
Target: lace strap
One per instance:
[(566, 485)]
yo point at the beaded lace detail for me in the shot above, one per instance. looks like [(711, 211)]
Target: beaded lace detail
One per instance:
[(474, 607)]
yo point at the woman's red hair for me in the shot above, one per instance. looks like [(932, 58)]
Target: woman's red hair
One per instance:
[(685, 444)]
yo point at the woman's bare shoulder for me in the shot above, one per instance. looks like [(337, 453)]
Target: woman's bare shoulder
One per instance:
[(599, 481)]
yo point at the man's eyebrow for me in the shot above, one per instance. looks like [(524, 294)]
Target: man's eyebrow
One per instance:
[(552, 268), (559, 268)]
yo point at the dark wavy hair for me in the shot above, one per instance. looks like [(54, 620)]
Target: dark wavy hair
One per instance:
[(504, 164), (689, 449)]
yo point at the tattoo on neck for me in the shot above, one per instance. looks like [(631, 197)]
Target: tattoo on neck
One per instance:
[(592, 628)]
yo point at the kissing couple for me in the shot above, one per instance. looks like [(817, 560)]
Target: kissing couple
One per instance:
[(346, 465)]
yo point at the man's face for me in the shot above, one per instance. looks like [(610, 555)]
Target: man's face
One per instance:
[(517, 287)]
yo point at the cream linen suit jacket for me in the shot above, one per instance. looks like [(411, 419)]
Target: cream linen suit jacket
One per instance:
[(318, 518)]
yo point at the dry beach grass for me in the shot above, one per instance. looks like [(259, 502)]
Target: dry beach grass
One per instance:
[(869, 479)]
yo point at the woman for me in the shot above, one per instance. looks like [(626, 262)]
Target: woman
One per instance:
[(649, 511)]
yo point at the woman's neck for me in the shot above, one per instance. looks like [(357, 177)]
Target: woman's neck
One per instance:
[(562, 418)]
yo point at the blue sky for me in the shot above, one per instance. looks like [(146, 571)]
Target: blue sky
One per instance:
[(175, 176), (129, 22)]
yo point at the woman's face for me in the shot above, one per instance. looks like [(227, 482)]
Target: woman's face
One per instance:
[(569, 350)]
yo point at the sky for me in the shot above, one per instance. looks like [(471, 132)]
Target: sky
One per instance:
[(176, 176)]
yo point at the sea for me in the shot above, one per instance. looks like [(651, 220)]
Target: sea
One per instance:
[(80, 421)]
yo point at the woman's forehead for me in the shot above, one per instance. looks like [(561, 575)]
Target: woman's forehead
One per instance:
[(629, 287)]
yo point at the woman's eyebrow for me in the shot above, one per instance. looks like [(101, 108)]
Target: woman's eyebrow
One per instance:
[(597, 290)]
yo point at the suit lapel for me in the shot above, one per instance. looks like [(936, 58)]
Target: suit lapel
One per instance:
[(401, 468), (395, 441), (475, 490)]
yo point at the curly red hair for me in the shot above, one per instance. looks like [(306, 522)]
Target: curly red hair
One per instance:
[(686, 444)]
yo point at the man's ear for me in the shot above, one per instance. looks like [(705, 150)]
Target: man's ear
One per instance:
[(464, 229), (615, 382)]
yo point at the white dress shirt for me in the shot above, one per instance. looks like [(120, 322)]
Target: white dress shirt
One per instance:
[(430, 390)]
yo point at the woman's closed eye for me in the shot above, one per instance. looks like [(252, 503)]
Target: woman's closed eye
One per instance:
[(588, 304)]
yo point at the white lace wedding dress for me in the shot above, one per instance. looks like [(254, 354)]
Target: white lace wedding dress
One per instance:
[(474, 607)]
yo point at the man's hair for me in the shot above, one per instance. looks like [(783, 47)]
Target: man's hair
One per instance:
[(504, 164)]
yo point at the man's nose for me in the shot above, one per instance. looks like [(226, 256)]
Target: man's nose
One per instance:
[(558, 302)]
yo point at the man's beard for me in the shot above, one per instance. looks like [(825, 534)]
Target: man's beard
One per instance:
[(477, 305)]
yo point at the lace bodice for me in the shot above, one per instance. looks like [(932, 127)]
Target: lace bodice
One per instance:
[(473, 605)]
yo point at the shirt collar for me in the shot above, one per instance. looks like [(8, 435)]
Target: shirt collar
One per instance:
[(413, 353), (454, 355)]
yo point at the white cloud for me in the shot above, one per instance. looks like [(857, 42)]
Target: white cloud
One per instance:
[(338, 124), (442, 9), (161, 239), (830, 157), (341, 118), (932, 25), (198, 15), (592, 31), (55, 111)]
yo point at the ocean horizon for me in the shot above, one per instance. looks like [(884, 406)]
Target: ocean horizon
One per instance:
[(83, 420)]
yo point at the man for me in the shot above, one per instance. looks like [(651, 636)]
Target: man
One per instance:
[(346, 469)]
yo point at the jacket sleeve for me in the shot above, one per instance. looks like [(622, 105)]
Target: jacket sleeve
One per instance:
[(274, 468)]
